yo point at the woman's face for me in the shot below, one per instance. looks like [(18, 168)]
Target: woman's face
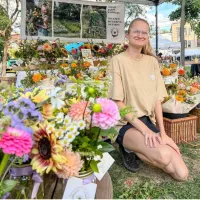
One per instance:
[(139, 34)]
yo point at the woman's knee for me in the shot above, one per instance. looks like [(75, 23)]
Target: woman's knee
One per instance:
[(182, 174), (164, 156)]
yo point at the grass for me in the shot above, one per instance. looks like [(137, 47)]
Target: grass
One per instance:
[(151, 183)]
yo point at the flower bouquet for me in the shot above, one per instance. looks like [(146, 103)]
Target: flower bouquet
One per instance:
[(184, 95), (53, 131)]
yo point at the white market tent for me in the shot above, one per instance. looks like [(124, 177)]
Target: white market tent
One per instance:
[(190, 52), (164, 43)]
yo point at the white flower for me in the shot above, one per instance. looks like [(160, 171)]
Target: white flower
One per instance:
[(64, 142), (72, 128), (64, 128), (59, 134), (81, 124), (99, 147), (59, 118), (70, 136), (50, 128), (67, 120), (56, 98), (96, 158)]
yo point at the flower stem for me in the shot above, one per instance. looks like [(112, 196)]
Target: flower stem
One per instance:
[(8, 169), (98, 135), (4, 162)]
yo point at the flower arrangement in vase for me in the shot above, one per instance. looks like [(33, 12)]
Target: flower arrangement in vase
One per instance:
[(57, 130)]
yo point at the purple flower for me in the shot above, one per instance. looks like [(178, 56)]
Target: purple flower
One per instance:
[(63, 76), (24, 102), (21, 126), (59, 82), (36, 115), (11, 108)]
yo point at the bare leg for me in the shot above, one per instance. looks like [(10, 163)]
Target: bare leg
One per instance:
[(163, 156)]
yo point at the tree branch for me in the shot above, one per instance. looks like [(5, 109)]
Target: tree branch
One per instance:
[(15, 12)]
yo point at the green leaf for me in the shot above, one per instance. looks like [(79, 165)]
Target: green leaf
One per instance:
[(8, 185), (93, 165), (108, 132), (106, 147)]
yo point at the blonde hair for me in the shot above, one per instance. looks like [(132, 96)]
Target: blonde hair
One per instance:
[(147, 49)]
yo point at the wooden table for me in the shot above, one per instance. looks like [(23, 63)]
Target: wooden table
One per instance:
[(54, 187)]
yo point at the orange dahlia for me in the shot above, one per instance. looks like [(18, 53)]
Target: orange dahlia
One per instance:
[(47, 47), (180, 98), (36, 78), (46, 152), (72, 166)]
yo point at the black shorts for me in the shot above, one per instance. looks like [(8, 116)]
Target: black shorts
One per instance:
[(126, 127)]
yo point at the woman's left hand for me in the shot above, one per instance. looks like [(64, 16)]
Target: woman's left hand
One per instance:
[(168, 141)]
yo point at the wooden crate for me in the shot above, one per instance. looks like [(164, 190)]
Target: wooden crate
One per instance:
[(196, 112), (181, 130)]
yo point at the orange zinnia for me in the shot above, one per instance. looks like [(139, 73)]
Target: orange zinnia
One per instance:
[(86, 64), (166, 72), (63, 65), (73, 65), (36, 78), (47, 47)]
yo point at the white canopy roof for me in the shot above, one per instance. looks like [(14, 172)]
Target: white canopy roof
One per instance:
[(190, 52), (164, 43)]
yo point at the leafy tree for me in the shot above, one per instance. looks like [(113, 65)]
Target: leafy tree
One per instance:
[(132, 11), (6, 23), (192, 13)]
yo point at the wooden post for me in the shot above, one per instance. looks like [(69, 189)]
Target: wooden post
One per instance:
[(182, 35)]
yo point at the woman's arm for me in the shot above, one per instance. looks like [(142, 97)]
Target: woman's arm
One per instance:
[(140, 126)]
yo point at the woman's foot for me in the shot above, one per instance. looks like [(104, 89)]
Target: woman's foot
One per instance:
[(130, 160)]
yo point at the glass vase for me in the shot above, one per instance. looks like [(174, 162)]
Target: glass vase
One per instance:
[(30, 183)]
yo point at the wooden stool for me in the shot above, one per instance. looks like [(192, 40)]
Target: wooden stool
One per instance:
[(54, 188)]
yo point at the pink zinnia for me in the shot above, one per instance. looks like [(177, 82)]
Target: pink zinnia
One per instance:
[(109, 115), (16, 141), (77, 111)]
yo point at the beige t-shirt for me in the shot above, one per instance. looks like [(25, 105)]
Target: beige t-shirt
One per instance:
[(138, 83)]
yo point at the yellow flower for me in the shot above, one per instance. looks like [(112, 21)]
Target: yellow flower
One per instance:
[(73, 65), (47, 111), (47, 152), (40, 97)]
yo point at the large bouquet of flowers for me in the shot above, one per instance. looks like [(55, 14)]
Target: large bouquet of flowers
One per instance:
[(184, 92), (58, 130)]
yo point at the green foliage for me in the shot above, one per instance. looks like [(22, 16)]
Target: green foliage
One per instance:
[(192, 10), (132, 11), (7, 186), (4, 18), (127, 110)]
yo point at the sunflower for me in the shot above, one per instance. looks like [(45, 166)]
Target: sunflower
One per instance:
[(46, 152)]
